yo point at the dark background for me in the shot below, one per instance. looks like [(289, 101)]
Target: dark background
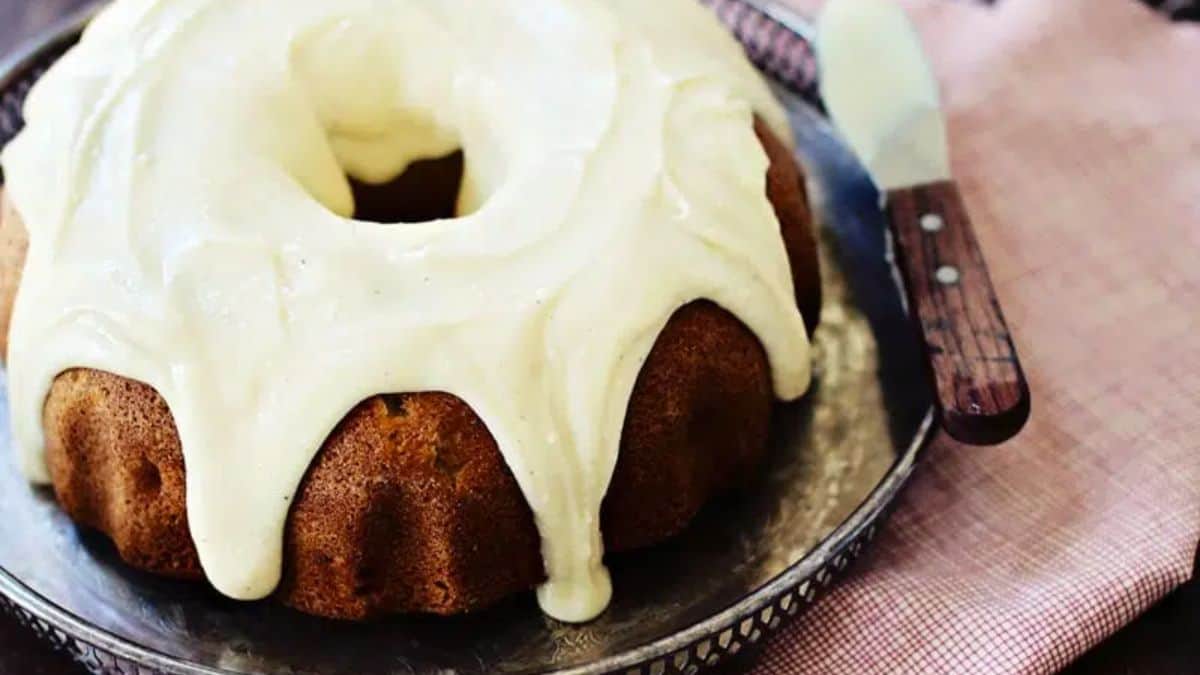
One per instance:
[(1165, 640)]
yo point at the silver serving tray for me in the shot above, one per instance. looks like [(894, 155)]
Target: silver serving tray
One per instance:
[(748, 564)]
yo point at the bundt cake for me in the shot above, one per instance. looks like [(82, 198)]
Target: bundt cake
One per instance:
[(239, 286)]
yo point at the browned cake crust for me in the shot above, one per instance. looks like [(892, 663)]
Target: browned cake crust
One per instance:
[(409, 507)]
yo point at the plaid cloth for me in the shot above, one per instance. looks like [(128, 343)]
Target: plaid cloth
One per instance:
[(1075, 131)]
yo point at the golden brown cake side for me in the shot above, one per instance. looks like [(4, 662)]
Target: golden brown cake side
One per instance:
[(409, 507), (787, 192)]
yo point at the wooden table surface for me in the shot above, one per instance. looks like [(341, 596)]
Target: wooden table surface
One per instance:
[(1163, 641)]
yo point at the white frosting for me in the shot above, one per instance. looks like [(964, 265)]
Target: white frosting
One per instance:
[(183, 181)]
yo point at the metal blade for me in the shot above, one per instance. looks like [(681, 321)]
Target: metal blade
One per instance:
[(881, 93)]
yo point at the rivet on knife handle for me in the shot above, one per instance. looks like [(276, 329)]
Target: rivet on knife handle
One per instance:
[(980, 387)]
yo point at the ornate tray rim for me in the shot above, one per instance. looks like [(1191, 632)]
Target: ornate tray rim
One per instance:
[(699, 647)]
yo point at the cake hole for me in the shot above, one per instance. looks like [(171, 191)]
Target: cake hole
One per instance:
[(443, 591), (382, 528), (447, 461), (368, 582), (427, 190), (147, 480), (395, 404)]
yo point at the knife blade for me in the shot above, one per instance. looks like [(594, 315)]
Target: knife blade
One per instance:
[(883, 97)]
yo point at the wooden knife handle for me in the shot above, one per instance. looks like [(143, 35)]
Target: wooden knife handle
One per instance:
[(981, 389)]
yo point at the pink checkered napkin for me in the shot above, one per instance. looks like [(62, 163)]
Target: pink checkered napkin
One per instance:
[(1075, 127)]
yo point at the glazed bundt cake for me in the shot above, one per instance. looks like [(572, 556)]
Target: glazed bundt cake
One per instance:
[(415, 501)]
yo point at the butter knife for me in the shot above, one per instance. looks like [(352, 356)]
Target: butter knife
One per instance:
[(883, 98)]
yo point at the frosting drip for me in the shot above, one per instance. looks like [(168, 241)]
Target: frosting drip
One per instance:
[(183, 180)]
